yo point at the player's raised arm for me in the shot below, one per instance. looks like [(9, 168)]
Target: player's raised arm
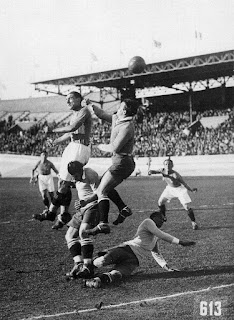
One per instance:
[(101, 114)]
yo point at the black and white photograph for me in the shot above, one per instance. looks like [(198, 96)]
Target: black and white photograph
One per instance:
[(116, 159)]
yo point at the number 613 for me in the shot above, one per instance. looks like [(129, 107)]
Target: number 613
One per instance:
[(213, 308)]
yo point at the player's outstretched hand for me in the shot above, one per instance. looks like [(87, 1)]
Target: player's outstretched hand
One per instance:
[(187, 243)]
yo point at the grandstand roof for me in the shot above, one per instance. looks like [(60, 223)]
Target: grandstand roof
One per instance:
[(165, 73), (42, 104)]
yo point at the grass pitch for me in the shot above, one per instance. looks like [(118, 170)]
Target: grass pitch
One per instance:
[(34, 258)]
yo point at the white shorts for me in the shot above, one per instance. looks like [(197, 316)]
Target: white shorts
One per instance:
[(180, 192), (74, 151), (46, 182)]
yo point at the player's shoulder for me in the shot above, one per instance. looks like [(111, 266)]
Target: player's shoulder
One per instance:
[(147, 222)]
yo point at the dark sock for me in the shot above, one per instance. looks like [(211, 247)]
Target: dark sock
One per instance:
[(191, 214), (87, 248), (46, 202), (115, 198), (75, 249), (104, 207)]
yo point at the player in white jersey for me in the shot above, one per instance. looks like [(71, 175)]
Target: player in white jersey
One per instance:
[(176, 188), (44, 178), (78, 131), (82, 224), (127, 256)]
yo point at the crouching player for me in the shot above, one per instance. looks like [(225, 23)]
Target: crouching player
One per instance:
[(83, 223), (126, 256), (176, 188)]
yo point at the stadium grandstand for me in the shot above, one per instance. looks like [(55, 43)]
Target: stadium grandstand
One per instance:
[(186, 108)]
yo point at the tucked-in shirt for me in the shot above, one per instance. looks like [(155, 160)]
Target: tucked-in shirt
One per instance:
[(173, 179), (83, 118)]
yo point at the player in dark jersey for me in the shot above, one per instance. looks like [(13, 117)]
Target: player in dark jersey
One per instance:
[(44, 178), (176, 188)]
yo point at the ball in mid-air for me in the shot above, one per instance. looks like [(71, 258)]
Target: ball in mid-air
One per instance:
[(136, 65)]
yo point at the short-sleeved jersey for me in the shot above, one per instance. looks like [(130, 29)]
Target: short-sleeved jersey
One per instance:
[(146, 238), (88, 185), (83, 118), (173, 179), (122, 135)]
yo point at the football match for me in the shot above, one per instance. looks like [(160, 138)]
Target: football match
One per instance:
[(116, 160)]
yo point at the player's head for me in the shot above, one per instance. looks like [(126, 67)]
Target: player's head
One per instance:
[(158, 218), (44, 154), (168, 164), (128, 107), (74, 99), (75, 168)]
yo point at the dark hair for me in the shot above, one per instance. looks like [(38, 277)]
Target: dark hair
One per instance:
[(169, 159), (158, 214), (76, 94), (131, 106), (74, 167), (45, 152)]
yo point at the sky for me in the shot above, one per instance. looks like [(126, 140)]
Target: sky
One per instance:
[(48, 39)]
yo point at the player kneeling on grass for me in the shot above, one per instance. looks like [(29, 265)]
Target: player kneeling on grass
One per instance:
[(83, 223), (176, 188), (127, 255)]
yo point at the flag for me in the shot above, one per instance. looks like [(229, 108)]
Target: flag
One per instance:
[(157, 44), (93, 57)]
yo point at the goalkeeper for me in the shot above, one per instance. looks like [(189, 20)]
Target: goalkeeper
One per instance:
[(127, 256)]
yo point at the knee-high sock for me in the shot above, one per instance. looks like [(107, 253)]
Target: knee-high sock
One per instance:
[(74, 247), (87, 250), (115, 198), (104, 207)]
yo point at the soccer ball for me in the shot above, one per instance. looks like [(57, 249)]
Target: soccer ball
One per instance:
[(136, 65)]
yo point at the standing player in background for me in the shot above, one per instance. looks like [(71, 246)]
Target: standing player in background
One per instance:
[(121, 147), (78, 131), (44, 178), (176, 188), (127, 256), (137, 171), (148, 163)]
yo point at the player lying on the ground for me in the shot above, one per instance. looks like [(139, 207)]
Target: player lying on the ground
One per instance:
[(82, 223), (176, 188), (127, 256)]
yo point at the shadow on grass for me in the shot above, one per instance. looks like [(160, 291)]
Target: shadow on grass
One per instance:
[(184, 273)]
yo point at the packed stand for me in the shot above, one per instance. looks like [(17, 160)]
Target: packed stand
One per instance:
[(157, 135)]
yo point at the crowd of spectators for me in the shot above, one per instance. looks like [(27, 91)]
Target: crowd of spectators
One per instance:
[(157, 135)]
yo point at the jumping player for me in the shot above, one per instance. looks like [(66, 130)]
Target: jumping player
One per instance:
[(121, 147), (44, 178), (79, 131), (176, 188), (127, 256)]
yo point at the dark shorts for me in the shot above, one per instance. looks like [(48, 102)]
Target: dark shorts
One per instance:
[(90, 215), (122, 166), (123, 258)]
